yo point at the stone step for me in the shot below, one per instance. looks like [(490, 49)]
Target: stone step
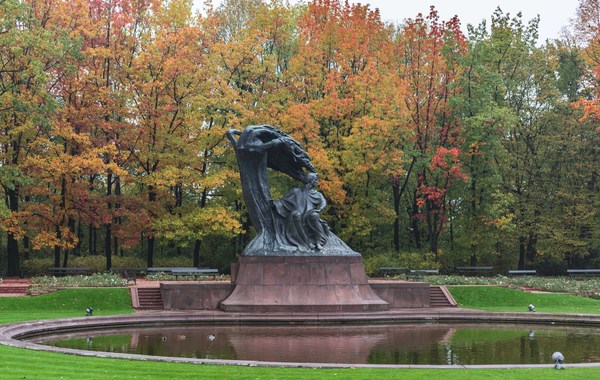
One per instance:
[(13, 289), (440, 298), (149, 299)]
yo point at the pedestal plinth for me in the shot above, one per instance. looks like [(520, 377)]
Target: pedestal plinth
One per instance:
[(302, 284)]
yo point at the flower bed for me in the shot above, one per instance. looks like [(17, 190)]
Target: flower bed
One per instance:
[(587, 287)]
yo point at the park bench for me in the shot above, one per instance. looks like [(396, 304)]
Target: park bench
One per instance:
[(55, 271), (184, 271), (417, 274), (166, 270), (470, 270), (583, 272), (386, 271), (195, 272), (129, 273), (522, 272)]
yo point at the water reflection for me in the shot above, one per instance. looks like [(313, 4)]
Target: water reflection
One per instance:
[(374, 344)]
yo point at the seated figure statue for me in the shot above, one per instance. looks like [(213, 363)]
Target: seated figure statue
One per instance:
[(301, 208)]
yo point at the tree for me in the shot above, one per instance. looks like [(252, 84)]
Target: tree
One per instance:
[(344, 102), (32, 54), (427, 54)]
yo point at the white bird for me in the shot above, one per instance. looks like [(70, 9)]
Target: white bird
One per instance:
[(211, 337), (558, 359)]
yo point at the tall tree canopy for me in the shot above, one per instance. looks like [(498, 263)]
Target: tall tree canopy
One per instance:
[(432, 146)]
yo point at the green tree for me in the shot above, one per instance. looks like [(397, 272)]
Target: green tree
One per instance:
[(32, 55)]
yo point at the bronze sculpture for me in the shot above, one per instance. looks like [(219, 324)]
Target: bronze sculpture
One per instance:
[(291, 226)]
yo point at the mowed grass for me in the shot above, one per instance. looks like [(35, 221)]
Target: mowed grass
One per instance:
[(65, 303), (495, 298), (26, 364), (17, 363)]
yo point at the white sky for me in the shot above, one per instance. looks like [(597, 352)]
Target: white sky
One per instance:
[(554, 14)]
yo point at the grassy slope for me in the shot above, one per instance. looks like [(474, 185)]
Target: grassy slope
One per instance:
[(18, 363), (65, 303), (503, 299)]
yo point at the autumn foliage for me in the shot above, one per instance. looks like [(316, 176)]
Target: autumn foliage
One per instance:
[(113, 115)]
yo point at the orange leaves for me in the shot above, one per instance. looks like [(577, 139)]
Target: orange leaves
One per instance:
[(65, 239), (591, 110), (12, 224), (448, 160)]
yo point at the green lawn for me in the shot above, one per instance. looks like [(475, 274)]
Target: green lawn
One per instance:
[(16, 363), (495, 298), (65, 303)]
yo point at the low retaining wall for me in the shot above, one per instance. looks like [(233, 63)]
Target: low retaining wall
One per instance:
[(208, 296), (194, 295), (403, 294)]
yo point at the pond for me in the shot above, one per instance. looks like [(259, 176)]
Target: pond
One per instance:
[(454, 344)]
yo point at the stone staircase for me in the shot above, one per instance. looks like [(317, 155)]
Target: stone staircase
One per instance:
[(439, 296), (148, 299), (10, 286)]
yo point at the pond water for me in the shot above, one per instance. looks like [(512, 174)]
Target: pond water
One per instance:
[(457, 344)]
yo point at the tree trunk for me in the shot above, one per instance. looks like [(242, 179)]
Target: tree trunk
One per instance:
[(397, 193), (415, 223), (198, 243), (66, 258), (108, 245), (108, 225), (14, 264), (91, 229), (150, 258), (26, 243), (521, 252), (473, 261), (531, 249), (12, 245), (197, 253), (77, 250), (117, 221), (71, 225), (57, 248), (150, 239)]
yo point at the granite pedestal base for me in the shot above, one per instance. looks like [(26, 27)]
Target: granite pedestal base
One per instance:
[(302, 284)]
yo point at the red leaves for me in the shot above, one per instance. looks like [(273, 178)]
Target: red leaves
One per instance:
[(448, 161)]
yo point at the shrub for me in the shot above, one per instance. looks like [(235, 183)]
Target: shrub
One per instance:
[(408, 260), (50, 283), (171, 277)]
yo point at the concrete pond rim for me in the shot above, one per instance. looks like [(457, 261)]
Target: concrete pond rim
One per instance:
[(13, 334)]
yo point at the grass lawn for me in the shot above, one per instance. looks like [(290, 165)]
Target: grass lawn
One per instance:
[(16, 363), (495, 298), (65, 303)]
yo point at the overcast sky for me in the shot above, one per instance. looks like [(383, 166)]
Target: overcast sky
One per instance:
[(554, 14)]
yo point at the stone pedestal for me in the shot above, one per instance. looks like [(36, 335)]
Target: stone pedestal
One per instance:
[(302, 284)]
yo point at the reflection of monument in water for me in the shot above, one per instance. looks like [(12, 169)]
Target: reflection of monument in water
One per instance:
[(316, 344), (332, 344), (294, 263)]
